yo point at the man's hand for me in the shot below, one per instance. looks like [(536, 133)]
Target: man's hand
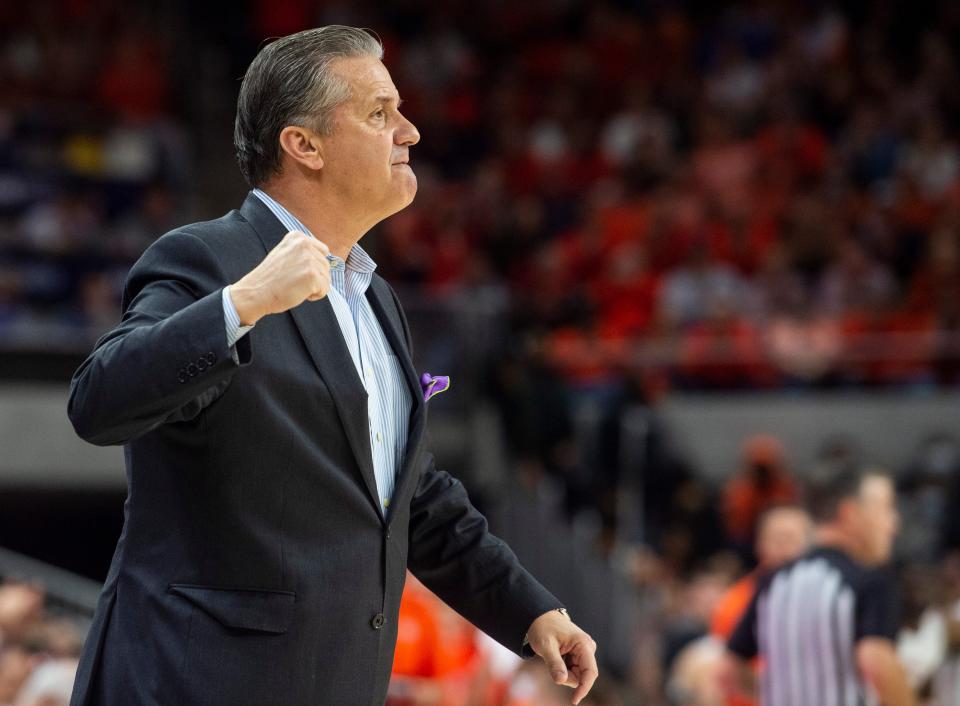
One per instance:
[(296, 270), (568, 651), (882, 669)]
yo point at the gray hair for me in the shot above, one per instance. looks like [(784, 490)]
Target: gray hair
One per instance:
[(289, 82)]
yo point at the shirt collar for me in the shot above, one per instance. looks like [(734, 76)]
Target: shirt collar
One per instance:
[(358, 260)]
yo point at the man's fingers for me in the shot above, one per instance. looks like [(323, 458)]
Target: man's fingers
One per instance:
[(321, 291), (299, 235), (586, 668), (550, 652), (320, 246), (587, 677), (323, 246), (296, 235), (558, 670)]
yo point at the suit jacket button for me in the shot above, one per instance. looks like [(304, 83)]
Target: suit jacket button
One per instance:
[(192, 370), (201, 364), (211, 357), (378, 620), (182, 375)]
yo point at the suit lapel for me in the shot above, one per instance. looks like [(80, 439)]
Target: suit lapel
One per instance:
[(385, 309), (316, 321)]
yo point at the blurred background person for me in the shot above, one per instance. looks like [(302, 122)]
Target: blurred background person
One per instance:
[(825, 624), (783, 534), (762, 482)]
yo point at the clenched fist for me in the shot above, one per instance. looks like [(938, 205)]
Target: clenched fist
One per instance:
[(296, 270)]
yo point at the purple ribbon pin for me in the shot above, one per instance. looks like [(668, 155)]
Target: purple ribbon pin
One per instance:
[(433, 385)]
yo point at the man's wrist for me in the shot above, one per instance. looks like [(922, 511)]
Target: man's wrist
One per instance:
[(562, 611), (243, 304)]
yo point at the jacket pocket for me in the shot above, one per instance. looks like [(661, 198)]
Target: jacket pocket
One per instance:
[(259, 610)]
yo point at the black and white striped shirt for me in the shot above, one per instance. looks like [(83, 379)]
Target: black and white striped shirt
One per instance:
[(805, 621)]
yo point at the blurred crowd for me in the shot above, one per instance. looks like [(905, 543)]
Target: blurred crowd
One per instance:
[(727, 195), (38, 648), (754, 195), (93, 163)]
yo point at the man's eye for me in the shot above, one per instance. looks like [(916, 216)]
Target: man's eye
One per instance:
[(379, 113)]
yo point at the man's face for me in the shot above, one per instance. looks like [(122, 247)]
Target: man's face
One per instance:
[(878, 517), (365, 155), (783, 535)]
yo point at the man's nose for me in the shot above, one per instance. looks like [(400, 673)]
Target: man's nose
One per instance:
[(407, 134)]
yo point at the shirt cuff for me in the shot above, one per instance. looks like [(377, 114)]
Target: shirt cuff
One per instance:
[(231, 320)]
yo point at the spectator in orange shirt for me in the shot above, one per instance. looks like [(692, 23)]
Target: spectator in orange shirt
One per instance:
[(435, 659), (783, 533), (762, 482)]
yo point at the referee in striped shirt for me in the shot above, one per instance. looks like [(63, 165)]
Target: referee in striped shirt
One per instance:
[(824, 624)]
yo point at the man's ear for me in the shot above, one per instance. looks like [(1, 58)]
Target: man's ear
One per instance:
[(303, 145)]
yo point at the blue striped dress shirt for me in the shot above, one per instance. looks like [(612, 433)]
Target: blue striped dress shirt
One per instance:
[(388, 401)]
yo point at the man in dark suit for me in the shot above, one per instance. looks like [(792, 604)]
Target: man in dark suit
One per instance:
[(262, 384)]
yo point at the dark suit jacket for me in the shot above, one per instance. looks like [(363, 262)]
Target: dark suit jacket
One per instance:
[(255, 567)]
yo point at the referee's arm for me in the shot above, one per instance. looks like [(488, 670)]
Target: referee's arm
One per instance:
[(876, 653), (880, 667)]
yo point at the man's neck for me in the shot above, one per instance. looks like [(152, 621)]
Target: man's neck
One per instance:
[(326, 220), (835, 537)]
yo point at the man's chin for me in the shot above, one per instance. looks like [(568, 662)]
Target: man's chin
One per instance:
[(403, 200), (409, 190)]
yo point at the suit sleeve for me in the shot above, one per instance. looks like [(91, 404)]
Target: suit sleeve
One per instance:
[(453, 553), (169, 355)]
